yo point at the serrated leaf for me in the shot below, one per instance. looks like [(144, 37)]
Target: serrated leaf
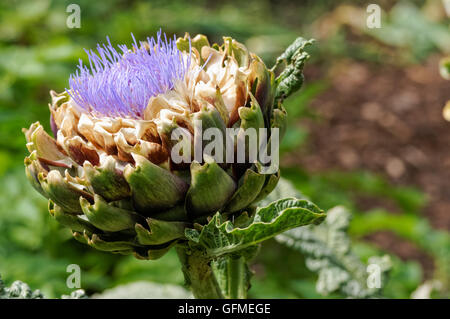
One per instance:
[(20, 290), (327, 249), (220, 237), (291, 78), (298, 45)]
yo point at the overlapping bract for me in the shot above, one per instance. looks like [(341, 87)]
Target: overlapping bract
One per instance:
[(111, 179)]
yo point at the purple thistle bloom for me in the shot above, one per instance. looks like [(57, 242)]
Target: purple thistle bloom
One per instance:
[(121, 84)]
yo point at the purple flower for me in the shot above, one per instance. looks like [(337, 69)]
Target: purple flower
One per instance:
[(121, 84)]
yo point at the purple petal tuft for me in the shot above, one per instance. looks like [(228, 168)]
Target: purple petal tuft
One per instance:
[(121, 84)]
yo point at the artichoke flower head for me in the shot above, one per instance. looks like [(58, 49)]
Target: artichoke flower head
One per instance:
[(108, 170), (166, 144)]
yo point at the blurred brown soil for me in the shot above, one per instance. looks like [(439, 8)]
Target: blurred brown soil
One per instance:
[(388, 120)]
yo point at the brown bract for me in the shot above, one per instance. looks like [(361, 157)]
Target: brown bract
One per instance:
[(216, 79)]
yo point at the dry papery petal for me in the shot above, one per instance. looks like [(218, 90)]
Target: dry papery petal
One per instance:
[(85, 137)]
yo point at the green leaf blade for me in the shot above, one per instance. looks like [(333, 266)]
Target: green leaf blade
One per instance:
[(222, 237)]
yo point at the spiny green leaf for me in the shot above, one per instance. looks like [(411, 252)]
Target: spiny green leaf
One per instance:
[(291, 78), (327, 248), (20, 290), (296, 46), (219, 237)]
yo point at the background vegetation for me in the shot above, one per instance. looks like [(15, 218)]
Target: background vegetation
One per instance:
[(390, 203)]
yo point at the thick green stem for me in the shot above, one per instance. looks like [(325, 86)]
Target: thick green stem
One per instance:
[(225, 277), (236, 277), (199, 275)]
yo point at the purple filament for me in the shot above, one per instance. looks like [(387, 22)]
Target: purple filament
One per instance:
[(121, 84)]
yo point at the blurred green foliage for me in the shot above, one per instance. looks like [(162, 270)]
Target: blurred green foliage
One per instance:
[(38, 52)]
